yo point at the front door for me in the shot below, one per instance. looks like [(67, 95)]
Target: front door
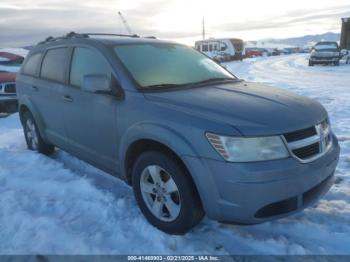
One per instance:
[(90, 118)]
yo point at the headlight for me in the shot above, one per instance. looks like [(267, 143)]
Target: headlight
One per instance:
[(248, 149)]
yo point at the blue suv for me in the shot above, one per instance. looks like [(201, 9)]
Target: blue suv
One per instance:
[(191, 138)]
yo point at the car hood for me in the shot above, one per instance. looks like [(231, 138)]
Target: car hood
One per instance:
[(253, 109), (7, 77)]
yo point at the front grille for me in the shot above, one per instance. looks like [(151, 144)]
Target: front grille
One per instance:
[(300, 134), (307, 151), (306, 144), (10, 88)]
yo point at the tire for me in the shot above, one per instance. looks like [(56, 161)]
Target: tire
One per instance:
[(186, 207), (311, 64), (33, 137), (336, 63)]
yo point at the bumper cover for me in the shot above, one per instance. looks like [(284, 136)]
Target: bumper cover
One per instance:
[(8, 104), (251, 193), (316, 59)]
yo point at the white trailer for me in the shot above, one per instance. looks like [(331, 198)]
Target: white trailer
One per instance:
[(223, 49)]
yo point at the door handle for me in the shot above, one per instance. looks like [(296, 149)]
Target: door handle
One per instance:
[(67, 98), (35, 88)]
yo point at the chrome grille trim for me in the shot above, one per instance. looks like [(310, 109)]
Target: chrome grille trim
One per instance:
[(323, 137), (4, 86), (304, 142)]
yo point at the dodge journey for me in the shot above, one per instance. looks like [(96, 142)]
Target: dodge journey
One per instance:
[(189, 137)]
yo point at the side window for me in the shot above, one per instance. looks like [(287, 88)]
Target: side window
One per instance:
[(54, 64), (205, 48), (223, 47), (87, 61), (30, 67)]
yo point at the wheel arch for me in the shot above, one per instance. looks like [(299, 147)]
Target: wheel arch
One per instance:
[(142, 145), (148, 133), (139, 146), (27, 106)]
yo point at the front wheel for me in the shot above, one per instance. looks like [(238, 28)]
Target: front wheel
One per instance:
[(33, 137), (311, 63), (165, 193)]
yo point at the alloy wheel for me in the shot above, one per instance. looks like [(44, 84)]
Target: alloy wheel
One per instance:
[(160, 193), (31, 134)]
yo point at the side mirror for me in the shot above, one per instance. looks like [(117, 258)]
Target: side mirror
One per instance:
[(96, 83), (344, 52)]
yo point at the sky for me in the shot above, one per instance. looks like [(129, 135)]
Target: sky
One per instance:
[(25, 22)]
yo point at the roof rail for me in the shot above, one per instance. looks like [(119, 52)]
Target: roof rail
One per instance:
[(67, 36), (101, 34), (81, 35)]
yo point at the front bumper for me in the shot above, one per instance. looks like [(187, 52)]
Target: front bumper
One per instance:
[(250, 193), (8, 104)]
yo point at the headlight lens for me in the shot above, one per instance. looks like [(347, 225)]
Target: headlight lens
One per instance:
[(248, 149)]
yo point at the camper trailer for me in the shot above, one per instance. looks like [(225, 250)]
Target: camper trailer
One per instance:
[(225, 49)]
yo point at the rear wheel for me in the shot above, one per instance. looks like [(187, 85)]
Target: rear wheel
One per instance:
[(33, 137), (165, 193)]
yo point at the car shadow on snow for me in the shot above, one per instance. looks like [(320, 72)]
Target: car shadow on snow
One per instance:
[(100, 179)]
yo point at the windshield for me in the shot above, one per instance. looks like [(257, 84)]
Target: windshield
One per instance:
[(326, 46), (165, 65)]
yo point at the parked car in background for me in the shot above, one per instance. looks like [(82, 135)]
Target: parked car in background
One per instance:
[(8, 97), (325, 53), (224, 49), (251, 52), (10, 59)]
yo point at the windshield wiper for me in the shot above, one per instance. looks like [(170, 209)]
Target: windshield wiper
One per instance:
[(166, 86), (160, 86), (216, 79)]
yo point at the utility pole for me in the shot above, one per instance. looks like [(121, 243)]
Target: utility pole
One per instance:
[(203, 29)]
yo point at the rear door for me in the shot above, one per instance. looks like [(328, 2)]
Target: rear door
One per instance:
[(90, 118), (48, 90)]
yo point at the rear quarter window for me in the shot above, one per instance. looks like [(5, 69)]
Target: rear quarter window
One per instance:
[(54, 64), (31, 65)]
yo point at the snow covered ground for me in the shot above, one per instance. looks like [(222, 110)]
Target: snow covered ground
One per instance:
[(60, 205)]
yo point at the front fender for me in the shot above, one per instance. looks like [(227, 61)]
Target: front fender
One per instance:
[(160, 133), (182, 148)]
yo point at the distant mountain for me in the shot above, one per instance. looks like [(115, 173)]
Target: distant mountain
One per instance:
[(305, 41)]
